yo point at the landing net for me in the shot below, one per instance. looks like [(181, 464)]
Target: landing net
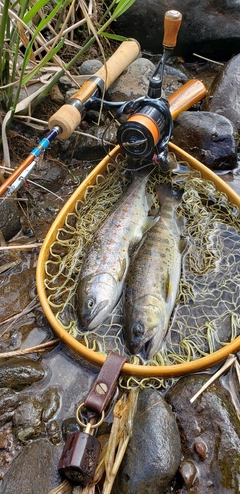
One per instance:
[(207, 311)]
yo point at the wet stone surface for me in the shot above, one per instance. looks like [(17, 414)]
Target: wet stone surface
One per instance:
[(209, 137), (154, 451), (223, 96), (33, 469), (18, 373), (210, 433)]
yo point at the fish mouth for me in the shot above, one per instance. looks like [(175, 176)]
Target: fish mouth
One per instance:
[(99, 307), (142, 349), (147, 347)]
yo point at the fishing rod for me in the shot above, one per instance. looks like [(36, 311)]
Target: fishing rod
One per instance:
[(148, 128), (68, 117)]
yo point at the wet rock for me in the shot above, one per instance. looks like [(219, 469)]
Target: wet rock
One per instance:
[(27, 420), (223, 95), (89, 146), (9, 401), (9, 218), (133, 83), (50, 175), (154, 451), (54, 432), (210, 433), (10, 340), (188, 472), (19, 372), (8, 449), (51, 404), (210, 28), (209, 137), (69, 426), (34, 471), (90, 67)]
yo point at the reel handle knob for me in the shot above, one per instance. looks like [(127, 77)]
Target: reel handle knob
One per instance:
[(172, 23)]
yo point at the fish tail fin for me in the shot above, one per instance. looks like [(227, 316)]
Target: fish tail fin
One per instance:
[(165, 191)]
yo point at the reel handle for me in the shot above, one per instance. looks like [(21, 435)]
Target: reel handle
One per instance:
[(186, 96), (68, 117), (172, 23)]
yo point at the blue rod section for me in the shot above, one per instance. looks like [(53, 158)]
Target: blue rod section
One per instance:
[(46, 141)]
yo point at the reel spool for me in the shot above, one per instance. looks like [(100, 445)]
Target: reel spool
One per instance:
[(148, 130)]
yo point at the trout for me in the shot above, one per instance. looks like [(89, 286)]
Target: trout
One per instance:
[(152, 282), (105, 266)]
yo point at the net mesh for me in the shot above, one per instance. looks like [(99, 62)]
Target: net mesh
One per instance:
[(207, 311)]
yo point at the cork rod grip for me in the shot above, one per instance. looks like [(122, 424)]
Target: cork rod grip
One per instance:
[(68, 117), (172, 23), (186, 96)]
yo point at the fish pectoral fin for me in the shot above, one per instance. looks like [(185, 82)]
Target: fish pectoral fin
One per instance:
[(150, 222), (122, 271), (183, 245)]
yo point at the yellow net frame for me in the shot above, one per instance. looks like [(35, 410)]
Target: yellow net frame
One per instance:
[(138, 371)]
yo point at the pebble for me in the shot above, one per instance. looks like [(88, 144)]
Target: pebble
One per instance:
[(19, 372)]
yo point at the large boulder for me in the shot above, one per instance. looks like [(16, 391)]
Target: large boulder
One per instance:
[(223, 96), (154, 451), (210, 28), (209, 137)]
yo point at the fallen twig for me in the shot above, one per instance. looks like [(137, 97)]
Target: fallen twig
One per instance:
[(121, 432), (21, 247), (207, 59), (34, 349), (64, 488), (230, 360), (29, 308)]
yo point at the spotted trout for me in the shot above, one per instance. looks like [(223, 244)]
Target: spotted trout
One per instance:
[(153, 279), (105, 266)]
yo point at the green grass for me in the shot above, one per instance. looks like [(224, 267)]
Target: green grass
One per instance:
[(24, 51)]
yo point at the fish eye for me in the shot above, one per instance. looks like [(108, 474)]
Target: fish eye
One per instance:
[(138, 329), (89, 303)]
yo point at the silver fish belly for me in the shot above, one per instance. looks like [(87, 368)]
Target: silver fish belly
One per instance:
[(105, 266), (152, 283)]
